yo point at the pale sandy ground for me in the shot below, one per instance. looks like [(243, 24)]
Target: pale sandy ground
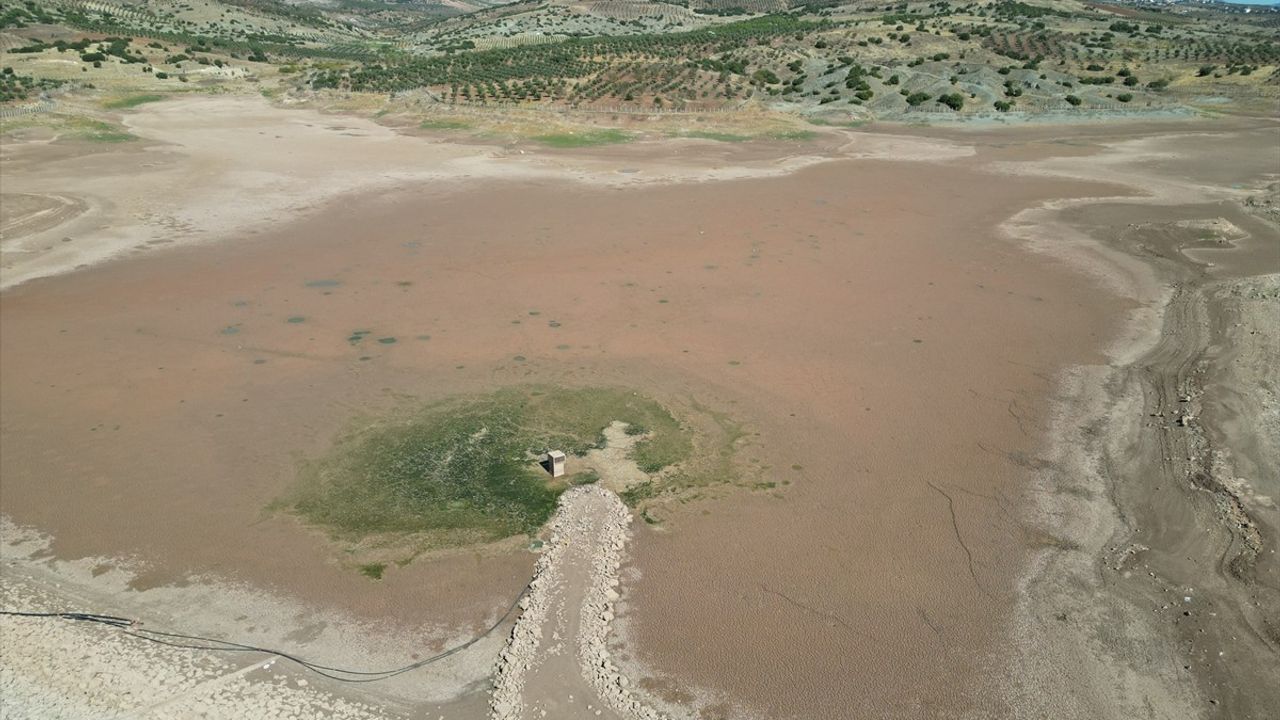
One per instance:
[(53, 669), (212, 167), (892, 355), (1152, 526)]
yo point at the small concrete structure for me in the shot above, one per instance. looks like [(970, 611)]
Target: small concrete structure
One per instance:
[(554, 463)]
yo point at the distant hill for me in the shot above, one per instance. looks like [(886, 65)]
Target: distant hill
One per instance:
[(812, 57)]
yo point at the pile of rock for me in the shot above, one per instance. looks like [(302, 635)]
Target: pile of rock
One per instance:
[(597, 613), (522, 650), (595, 523)]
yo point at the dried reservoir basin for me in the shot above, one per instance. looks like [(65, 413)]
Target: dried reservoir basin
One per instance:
[(888, 353)]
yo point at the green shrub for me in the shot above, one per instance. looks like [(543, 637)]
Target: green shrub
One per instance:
[(765, 76)]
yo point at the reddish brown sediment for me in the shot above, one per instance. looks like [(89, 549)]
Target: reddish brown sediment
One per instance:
[(863, 317), (890, 352)]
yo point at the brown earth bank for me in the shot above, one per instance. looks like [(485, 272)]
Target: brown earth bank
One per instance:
[(1159, 480), (893, 354), (1182, 443)]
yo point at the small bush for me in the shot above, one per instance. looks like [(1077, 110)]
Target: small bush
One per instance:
[(766, 76)]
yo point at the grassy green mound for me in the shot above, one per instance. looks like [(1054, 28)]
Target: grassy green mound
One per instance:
[(466, 470)]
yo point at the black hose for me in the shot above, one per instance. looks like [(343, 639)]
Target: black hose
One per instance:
[(195, 642), (84, 617)]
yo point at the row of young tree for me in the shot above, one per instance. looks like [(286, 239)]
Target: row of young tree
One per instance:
[(572, 59)]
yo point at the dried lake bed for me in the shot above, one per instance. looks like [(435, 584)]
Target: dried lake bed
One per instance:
[(929, 364)]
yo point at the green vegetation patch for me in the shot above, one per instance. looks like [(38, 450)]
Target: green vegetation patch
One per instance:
[(82, 128), (443, 124), (717, 136), (466, 470), (824, 122), (712, 463), (586, 138), (131, 101), (803, 135), (20, 87)]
